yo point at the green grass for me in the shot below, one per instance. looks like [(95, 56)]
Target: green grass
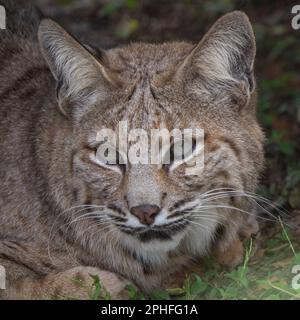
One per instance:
[(266, 274)]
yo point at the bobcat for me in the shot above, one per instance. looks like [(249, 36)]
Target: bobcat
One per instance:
[(64, 214)]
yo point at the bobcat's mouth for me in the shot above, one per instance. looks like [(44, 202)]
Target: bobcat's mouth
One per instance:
[(163, 232)]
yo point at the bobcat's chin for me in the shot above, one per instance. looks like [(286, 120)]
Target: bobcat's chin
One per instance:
[(153, 243)]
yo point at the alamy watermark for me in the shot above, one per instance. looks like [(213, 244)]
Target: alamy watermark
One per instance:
[(155, 147), (2, 18), (296, 278), (2, 278), (296, 19)]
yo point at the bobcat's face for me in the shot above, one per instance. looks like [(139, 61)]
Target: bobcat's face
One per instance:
[(145, 202), (156, 203), (150, 206)]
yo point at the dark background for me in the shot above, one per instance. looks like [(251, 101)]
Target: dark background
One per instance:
[(111, 23)]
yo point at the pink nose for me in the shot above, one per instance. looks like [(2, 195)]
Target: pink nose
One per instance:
[(146, 213)]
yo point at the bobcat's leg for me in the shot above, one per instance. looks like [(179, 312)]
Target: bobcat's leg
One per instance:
[(233, 254), (75, 283)]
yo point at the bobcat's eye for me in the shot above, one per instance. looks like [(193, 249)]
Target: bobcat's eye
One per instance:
[(180, 151), (109, 157)]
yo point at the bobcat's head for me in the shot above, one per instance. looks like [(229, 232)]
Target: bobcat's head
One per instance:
[(157, 207)]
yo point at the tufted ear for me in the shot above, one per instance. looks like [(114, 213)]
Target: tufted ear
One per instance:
[(81, 76), (224, 58)]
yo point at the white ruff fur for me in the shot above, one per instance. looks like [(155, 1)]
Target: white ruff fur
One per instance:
[(193, 240)]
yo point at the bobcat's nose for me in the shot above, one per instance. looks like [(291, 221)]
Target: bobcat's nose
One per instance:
[(146, 213)]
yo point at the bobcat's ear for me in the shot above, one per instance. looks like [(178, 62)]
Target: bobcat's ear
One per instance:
[(224, 58), (81, 77)]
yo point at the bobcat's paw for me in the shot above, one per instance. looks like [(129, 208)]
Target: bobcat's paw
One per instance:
[(232, 256), (82, 283)]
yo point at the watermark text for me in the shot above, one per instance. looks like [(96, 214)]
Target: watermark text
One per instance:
[(2, 18), (296, 18), (2, 278)]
